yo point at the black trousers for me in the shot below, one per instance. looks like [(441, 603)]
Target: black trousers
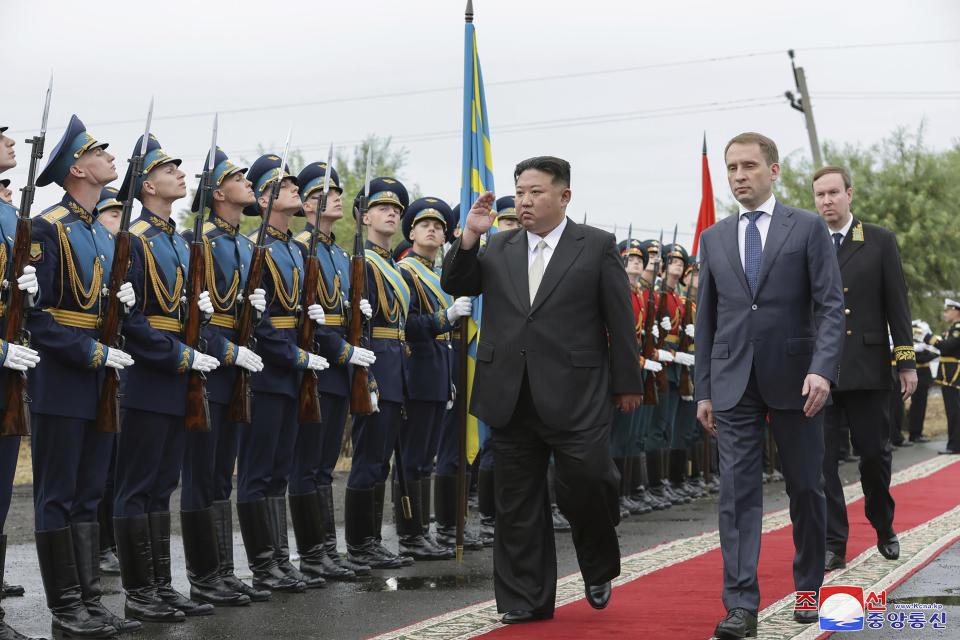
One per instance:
[(918, 402), (867, 413), (524, 555), (951, 404)]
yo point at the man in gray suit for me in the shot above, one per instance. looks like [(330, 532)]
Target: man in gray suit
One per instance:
[(555, 348), (769, 336)]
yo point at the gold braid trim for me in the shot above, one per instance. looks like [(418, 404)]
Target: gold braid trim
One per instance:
[(85, 298), (225, 302), (424, 299), (904, 353), (287, 300), (327, 300), (168, 303), (3, 262), (391, 313)]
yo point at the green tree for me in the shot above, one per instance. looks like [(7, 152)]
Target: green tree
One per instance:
[(901, 184)]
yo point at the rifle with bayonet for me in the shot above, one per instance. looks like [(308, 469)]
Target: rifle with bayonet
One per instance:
[(360, 402), (197, 416), (686, 385), (663, 311), (308, 403), (240, 399), (16, 414), (108, 409)]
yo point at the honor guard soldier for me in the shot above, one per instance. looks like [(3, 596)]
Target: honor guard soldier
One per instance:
[(918, 401), (14, 358), (430, 391), (209, 457), (507, 214), (625, 427), (318, 445), (948, 373), (266, 445), (109, 210), (150, 445), (375, 435), (73, 255), (691, 437)]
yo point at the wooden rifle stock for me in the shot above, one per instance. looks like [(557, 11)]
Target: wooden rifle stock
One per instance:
[(359, 387), (650, 348), (108, 409), (197, 416), (663, 311), (16, 414), (240, 399), (308, 402), (686, 386)]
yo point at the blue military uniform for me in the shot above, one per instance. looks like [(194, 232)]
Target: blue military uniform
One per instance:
[(266, 445), (150, 445), (209, 457), (73, 255), (429, 386)]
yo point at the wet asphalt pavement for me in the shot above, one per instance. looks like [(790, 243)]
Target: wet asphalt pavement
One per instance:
[(390, 599)]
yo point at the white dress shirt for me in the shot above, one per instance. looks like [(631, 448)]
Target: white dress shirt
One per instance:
[(551, 239), (763, 224), (843, 232)]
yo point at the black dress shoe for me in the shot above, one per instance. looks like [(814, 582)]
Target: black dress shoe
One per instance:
[(598, 595), (920, 439), (520, 617), (947, 452), (739, 623), (806, 616), (903, 443), (834, 561), (12, 590), (889, 545), (851, 458)]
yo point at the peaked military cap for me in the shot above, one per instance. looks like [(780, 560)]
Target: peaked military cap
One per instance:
[(947, 302), (635, 248), (108, 199), (384, 190), (428, 208), (5, 183), (155, 156), (506, 208), (314, 176), (262, 173), (74, 143), (222, 169)]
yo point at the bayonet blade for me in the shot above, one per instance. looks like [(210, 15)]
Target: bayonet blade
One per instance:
[(674, 243), (629, 235), (213, 143), (327, 175), (146, 132), (283, 158), (46, 106), (366, 178)]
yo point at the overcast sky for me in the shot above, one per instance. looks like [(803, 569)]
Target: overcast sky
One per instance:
[(624, 90)]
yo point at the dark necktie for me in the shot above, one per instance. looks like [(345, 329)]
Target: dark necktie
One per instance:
[(752, 251), (837, 237)]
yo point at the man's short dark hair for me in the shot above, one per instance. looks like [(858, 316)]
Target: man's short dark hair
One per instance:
[(767, 146), (556, 167), (832, 168)]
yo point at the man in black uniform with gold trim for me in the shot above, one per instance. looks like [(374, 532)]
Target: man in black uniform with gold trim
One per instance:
[(948, 374), (875, 297)]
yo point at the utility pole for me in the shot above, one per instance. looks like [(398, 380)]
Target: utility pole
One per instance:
[(805, 106)]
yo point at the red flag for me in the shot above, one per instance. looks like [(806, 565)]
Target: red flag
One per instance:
[(708, 213)]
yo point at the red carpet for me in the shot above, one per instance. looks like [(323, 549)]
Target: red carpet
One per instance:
[(683, 601)]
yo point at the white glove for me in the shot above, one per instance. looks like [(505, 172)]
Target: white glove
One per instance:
[(689, 331), (461, 308), (652, 365), (315, 313), (925, 328), (20, 358), (317, 363), (665, 323), (203, 362), (28, 281), (258, 299), (656, 331), (365, 308), (664, 356), (684, 359), (919, 347), (687, 398), (375, 402), (117, 359), (362, 357), (249, 360), (449, 405), (204, 304), (126, 296)]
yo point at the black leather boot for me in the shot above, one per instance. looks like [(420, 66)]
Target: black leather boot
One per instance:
[(261, 555), (86, 549), (223, 526), (329, 527), (635, 506), (410, 532), (486, 506), (314, 563), (160, 543), (203, 561), (7, 632), (362, 544), (277, 517), (379, 490), (655, 484), (7, 590), (58, 568), (136, 572), (109, 565), (445, 504)]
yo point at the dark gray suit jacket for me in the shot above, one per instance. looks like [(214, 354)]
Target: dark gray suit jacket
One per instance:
[(793, 325), (561, 340)]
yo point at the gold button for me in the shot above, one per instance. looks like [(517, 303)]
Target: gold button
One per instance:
[(110, 235), (213, 244), (846, 289), (849, 333), (69, 230), (151, 243), (846, 311), (94, 231)]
